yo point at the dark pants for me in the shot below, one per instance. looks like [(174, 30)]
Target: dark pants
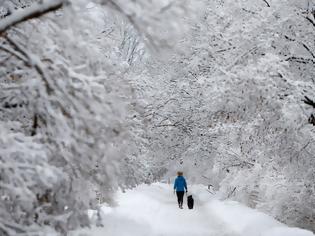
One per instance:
[(180, 196)]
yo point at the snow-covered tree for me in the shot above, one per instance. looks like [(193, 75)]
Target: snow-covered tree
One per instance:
[(69, 111), (112, 93), (229, 107)]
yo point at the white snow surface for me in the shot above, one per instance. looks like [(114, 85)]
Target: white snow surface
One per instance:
[(151, 210)]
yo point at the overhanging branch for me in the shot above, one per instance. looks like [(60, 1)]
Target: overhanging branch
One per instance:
[(34, 11)]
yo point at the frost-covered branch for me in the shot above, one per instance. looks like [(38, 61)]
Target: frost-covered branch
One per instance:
[(35, 10), (302, 43), (29, 60), (130, 18)]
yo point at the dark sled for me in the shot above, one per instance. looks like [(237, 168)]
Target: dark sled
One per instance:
[(190, 202)]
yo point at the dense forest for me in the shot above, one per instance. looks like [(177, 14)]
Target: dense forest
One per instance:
[(107, 94)]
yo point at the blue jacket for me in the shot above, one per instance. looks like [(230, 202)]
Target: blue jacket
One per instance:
[(180, 184)]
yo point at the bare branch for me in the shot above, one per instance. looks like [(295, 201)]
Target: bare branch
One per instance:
[(309, 101), (268, 5), (231, 193), (311, 120), (301, 60), (310, 20), (13, 53), (168, 125)]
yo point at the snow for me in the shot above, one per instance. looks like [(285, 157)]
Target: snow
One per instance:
[(152, 210)]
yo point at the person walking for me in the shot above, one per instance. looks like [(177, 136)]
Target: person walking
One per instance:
[(180, 187)]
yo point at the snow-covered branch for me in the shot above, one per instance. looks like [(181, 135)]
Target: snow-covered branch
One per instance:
[(35, 10), (29, 60)]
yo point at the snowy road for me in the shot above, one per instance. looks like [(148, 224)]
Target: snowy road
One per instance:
[(152, 211)]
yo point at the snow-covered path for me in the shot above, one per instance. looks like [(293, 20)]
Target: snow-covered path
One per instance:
[(152, 211)]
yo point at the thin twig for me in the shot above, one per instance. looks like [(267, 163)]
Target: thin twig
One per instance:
[(231, 193), (308, 101), (303, 44), (268, 5), (301, 60), (131, 19), (13, 53), (310, 20)]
